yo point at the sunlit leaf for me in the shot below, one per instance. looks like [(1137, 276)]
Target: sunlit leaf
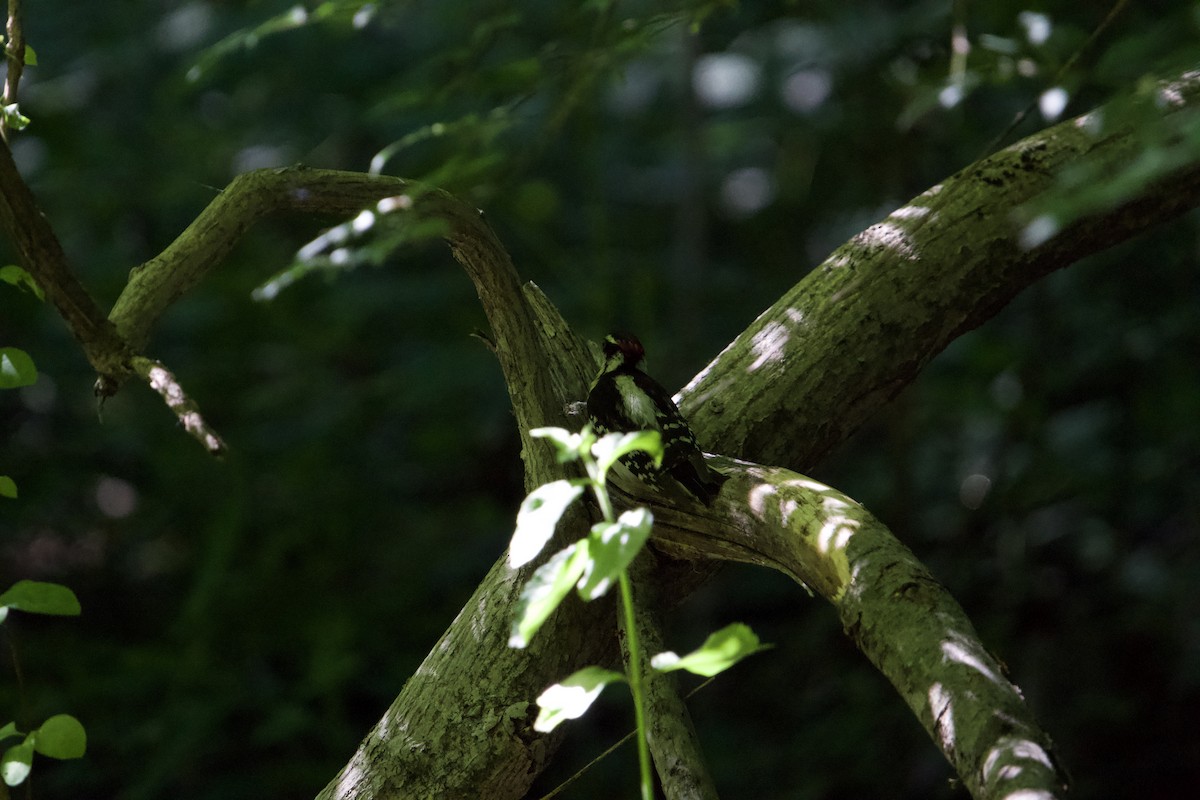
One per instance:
[(13, 118), (719, 652), (17, 762), (537, 519), (16, 368), (567, 445), (545, 589), (37, 597), (612, 546), (61, 736), (571, 697)]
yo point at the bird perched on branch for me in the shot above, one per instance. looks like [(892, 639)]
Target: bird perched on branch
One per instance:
[(625, 399)]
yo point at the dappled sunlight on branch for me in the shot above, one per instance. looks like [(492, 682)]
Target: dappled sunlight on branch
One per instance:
[(901, 618), (961, 649), (890, 236)]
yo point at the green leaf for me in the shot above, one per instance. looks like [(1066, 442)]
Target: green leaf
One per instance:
[(37, 597), (9, 730), (719, 652), (612, 545), (571, 697), (16, 368), (61, 736), (30, 57), (17, 762), (567, 445), (614, 445), (545, 589), (18, 277), (8, 487), (13, 117), (537, 519)]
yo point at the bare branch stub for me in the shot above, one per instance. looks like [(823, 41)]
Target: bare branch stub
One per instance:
[(164, 382)]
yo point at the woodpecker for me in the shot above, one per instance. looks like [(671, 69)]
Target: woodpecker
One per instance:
[(625, 399)]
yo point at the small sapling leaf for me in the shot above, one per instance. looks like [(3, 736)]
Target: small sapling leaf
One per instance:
[(572, 696), (720, 651)]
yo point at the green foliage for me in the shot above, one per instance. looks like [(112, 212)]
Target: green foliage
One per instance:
[(612, 546), (571, 697), (14, 120), (545, 589), (537, 518), (720, 651), (38, 597), (61, 736), (592, 565), (30, 56), (14, 275), (371, 237), (16, 368)]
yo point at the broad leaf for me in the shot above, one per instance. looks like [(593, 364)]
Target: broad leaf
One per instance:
[(571, 697), (567, 445), (612, 546), (545, 589), (9, 730), (13, 117), (8, 488), (16, 368), (719, 652), (614, 445), (37, 597), (537, 519), (61, 736), (21, 279), (17, 762)]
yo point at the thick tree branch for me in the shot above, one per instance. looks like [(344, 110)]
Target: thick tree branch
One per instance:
[(799, 381), (42, 256), (901, 618), (857, 329), (533, 386)]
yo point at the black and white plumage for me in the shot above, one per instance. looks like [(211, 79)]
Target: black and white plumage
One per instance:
[(625, 399)]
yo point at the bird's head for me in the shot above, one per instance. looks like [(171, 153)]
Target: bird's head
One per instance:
[(622, 350)]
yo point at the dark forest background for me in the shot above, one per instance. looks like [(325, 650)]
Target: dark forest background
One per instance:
[(246, 621)]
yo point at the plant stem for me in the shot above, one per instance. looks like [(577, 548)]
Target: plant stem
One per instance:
[(631, 637), (635, 685)]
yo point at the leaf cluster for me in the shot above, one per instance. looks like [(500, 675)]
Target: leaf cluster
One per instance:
[(61, 736), (591, 565)]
